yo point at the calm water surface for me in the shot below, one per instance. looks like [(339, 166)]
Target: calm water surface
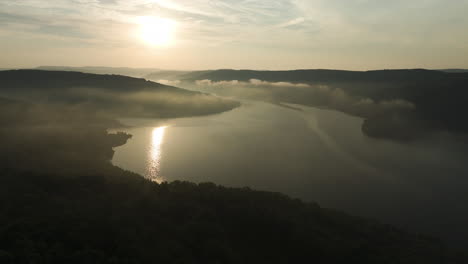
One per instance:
[(313, 154)]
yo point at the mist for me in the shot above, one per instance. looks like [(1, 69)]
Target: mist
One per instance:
[(325, 96)]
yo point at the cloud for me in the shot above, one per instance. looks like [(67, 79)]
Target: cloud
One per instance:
[(250, 83), (169, 82), (211, 17), (293, 22)]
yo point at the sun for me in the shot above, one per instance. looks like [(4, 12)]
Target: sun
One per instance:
[(156, 31)]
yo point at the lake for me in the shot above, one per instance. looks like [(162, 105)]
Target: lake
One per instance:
[(313, 154)]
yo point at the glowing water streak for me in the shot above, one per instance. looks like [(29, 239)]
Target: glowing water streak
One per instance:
[(154, 154)]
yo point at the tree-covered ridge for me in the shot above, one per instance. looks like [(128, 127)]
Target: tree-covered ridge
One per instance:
[(112, 95), (118, 217), (328, 76), (44, 79)]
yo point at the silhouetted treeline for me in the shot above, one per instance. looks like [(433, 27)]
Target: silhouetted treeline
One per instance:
[(133, 72), (54, 139), (454, 70), (62, 80), (318, 76), (118, 217)]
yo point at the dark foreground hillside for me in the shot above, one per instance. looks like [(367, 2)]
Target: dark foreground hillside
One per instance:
[(118, 217), (61, 201)]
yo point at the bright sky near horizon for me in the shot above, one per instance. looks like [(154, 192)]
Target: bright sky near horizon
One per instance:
[(256, 34)]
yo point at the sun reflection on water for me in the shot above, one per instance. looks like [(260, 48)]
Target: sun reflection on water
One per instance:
[(154, 154)]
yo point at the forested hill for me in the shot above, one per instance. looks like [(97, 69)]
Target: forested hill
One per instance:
[(117, 217), (427, 89), (319, 75), (438, 98), (44, 80), (112, 95), (134, 72)]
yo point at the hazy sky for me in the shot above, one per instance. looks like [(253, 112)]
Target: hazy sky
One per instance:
[(260, 34)]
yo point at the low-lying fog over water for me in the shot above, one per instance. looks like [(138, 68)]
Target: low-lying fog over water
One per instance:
[(313, 154)]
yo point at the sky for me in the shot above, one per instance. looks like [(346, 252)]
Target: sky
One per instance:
[(239, 34)]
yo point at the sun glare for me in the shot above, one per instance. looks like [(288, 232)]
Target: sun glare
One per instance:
[(156, 31)]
